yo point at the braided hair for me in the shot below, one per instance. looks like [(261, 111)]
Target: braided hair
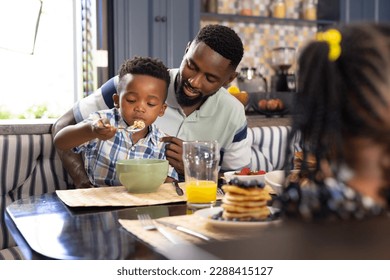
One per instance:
[(346, 98), (145, 66), (222, 40)]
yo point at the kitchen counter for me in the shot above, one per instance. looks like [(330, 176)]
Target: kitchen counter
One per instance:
[(256, 120)]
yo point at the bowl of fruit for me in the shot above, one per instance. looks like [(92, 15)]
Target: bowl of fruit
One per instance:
[(246, 175), (273, 103), (272, 106)]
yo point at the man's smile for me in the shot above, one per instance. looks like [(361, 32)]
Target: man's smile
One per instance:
[(190, 91)]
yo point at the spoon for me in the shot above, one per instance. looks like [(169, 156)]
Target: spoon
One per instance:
[(131, 128), (137, 126), (179, 191)]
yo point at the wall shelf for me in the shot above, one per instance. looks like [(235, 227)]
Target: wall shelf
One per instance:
[(262, 20)]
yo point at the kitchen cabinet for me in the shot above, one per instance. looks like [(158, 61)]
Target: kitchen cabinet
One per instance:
[(365, 10), (156, 28)]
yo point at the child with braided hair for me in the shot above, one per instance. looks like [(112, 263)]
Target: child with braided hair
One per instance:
[(342, 115)]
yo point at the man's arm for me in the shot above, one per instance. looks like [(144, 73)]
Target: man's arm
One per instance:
[(72, 162), (237, 154)]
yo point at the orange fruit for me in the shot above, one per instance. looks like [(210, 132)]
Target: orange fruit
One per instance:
[(242, 96), (272, 105), (280, 104), (262, 104), (233, 89)]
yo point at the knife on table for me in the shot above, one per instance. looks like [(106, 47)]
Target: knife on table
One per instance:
[(179, 191), (186, 230)]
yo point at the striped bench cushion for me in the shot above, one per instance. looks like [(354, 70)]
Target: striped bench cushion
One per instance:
[(268, 151), (29, 166), (12, 253)]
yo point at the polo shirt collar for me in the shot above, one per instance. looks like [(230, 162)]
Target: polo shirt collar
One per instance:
[(171, 98)]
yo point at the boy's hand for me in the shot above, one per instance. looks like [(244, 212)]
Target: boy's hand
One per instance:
[(103, 129)]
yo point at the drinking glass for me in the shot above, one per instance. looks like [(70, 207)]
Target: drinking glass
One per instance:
[(201, 160)]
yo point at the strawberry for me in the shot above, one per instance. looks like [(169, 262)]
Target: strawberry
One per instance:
[(260, 172), (245, 171)]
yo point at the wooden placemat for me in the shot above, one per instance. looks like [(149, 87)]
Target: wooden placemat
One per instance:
[(157, 240), (118, 196)]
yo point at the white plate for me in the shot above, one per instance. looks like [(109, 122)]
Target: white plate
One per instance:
[(243, 178), (207, 213)]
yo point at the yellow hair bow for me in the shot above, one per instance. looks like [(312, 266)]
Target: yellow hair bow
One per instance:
[(333, 38)]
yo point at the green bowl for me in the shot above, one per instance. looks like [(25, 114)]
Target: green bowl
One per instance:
[(142, 175)]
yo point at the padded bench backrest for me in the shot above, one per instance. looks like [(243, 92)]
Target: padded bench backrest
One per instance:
[(269, 143)]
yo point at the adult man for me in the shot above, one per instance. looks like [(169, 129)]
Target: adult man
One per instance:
[(199, 108)]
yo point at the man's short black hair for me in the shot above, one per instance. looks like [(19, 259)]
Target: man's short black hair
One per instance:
[(223, 40)]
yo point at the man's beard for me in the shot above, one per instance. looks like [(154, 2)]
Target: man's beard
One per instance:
[(184, 100)]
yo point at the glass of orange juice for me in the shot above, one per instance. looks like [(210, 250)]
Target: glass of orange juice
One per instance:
[(201, 161)]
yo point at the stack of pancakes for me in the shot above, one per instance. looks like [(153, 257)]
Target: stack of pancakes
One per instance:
[(243, 203)]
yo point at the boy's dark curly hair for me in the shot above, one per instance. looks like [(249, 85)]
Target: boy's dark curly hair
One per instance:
[(145, 66), (223, 40)]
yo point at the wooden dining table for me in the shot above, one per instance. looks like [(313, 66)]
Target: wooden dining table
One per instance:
[(46, 228)]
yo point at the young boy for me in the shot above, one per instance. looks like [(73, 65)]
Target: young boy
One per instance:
[(142, 92)]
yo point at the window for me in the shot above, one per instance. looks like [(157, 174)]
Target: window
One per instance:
[(41, 57)]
